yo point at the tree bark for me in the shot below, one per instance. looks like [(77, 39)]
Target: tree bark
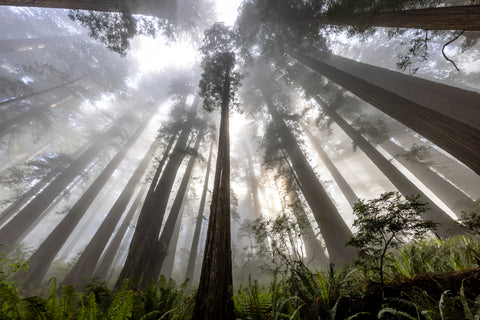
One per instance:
[(151, 217), (16, 228), (198, 224), (159, 254), (43, 257), (169, 261), (337, 176), (446, 226), (161, 9), (334, 230), (447, 116), (30, 95), (214, 299), (113, 247), (441, 18), (449, 194), (84, 267)]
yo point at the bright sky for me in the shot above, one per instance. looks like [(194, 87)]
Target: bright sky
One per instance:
[(227, 10)]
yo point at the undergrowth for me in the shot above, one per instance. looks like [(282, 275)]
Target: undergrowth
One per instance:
[(428, 279)]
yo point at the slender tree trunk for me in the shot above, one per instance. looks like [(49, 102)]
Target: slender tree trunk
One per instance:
[(113, 247), (252, 180), (161, 9), (151, 217), (449, 194), (334, 230), (441, 18), (16, 228), (84, 267), (161, 247), (43, 257), (198, 224), (14, 45), (169, 261), (315, 254), (446, 226), (337, 176), (31, 95), (447, 116), (214, 299)]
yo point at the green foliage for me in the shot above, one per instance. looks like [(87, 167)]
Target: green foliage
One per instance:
[(384, 223), (471, 218)]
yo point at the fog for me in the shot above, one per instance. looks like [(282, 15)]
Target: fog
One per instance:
[(69, 106)]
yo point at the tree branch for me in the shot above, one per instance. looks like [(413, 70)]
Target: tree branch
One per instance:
[(446, 44)]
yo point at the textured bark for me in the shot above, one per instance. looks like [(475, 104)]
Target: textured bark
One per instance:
[(113, 247), (43, 257), (447, 116), (151, 217), (442, 18), (334, 230), (16, 228), (84, 267), (198, 224), (448, 193), (214, 299), (30, 95), (446, 226), (161, 247), (161, 9), (15, 45), (337, 176)]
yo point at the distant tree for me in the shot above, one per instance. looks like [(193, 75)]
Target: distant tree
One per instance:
[(385, 223), (471, 218), (219, 81)]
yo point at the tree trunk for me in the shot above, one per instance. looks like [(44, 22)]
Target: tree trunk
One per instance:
[(214, 299), (16, 228), (43, 257), (14, 45), (441, 18), (337, 176), (446, 226), (151, 217), (161, 9), (252, 181), (161, 247), (113, 247), (334, 230), (84, 267), (198, 224), (27, 96), (449, 194), (447, 116), (169, 261)]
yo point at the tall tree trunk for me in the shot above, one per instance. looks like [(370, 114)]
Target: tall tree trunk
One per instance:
[(160, 251), (31, 95), (43, 257), (316, 256), (446, 226), (449, 194), (84, 267), (252, 180), (334, 230), (16, 228), (161, 9), (151, 217), (337, 176), (113, 247), (198, 224), (214, 299), (14, 45), (441, 18), (169, 261), (447, 116)]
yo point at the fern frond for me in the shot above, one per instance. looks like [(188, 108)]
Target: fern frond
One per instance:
[(394, 312)]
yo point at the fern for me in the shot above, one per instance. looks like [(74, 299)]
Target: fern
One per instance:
[(89, 312), (68, 303), (52, 301), (394, 312), (122, 305)]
